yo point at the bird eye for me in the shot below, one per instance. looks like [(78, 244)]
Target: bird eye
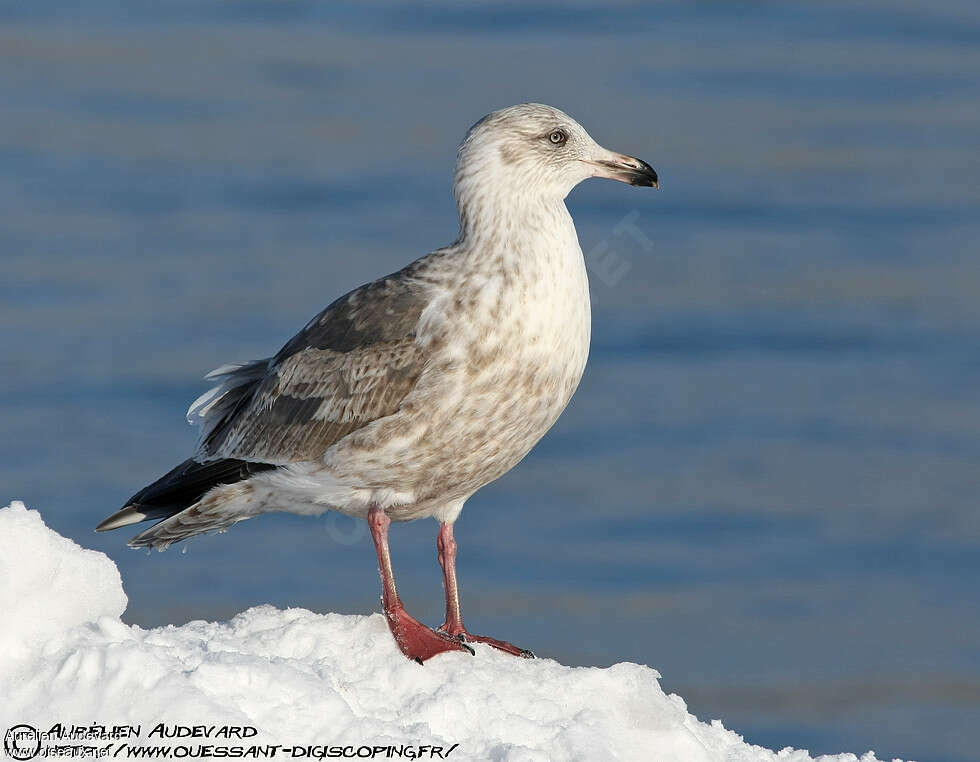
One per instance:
[(558, 137)]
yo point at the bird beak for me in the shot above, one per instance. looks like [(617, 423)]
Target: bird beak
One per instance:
[(626, 169)]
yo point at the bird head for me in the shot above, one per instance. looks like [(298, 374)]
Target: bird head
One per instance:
[(538, 150)]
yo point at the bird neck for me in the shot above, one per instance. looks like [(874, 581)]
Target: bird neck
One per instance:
[(517, 222)]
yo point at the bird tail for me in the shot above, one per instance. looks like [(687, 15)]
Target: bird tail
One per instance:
[(175, 498)]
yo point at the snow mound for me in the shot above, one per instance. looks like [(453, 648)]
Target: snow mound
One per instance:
[(309, 682), (48, 584)]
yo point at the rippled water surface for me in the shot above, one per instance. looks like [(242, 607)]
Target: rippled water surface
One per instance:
[(766, 486)]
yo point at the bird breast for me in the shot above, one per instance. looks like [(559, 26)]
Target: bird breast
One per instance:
[(506, 338), (508, 347)]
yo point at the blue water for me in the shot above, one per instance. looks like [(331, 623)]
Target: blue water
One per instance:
[(766, 486)]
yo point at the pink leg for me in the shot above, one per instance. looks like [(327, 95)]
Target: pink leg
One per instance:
[(415, 640), (454, 617)]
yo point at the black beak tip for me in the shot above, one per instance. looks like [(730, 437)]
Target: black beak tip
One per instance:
[(646, 180), (633, 171), (646, 176)]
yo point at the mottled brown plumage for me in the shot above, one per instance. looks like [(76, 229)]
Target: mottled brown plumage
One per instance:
[(405, 396), (353, 363)]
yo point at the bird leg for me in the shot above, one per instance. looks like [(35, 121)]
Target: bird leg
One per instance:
[(414, 639), (453, 626)]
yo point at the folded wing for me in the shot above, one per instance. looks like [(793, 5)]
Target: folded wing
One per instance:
[(353, 363)]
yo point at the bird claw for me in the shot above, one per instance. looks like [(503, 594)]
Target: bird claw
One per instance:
[(418, 642), (501, 645)]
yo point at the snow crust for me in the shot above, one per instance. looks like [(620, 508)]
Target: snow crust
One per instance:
[(311, 680)]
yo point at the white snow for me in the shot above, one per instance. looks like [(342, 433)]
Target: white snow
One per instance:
[(303, 679)]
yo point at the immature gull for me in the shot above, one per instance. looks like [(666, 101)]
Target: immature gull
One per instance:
[(404, 397)]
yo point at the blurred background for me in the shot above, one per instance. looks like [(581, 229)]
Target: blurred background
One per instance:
[(766, 486)]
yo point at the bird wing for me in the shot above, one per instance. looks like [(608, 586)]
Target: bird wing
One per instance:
[(353, 363)]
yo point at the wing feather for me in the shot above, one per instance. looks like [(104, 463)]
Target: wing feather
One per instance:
[(353, 363)]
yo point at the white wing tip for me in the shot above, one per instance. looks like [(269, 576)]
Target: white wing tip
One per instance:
[(199, 408), (125, 517), (224, 370)]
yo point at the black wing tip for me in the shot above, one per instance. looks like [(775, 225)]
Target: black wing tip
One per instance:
[(180, 488)]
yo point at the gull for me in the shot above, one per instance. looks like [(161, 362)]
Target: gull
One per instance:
[(408, 394)]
